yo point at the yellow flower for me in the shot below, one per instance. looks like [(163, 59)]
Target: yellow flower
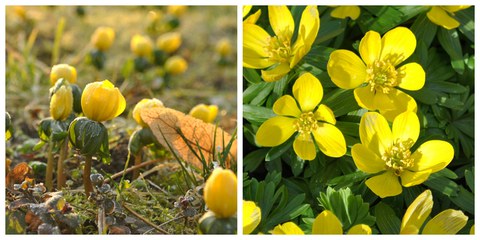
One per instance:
[(246, 9), (206, 113), (386, 153), (327, 223), (102, 101), (472, 229), (141, 45), (220, 192), (61, 102), (103, 38), (313, 122), (443, 16), (64, 71), (169, 42), (377, 74), (343, 12), (260, 50), (145, 104), (252, 215), (446, 222), (176, 65), (224, 47), (252, 18), (288, 228), (176, 10)]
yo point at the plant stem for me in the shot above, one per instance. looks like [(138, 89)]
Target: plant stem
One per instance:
[(138, 161), (87, 183), (61, 159), (101, 219), (49, 173)]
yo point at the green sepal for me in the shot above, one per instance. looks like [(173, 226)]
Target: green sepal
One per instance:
[(210, 224), (140, 139), (159, 57), (97, 59), (90, 137), (141, 64), (77, 98)]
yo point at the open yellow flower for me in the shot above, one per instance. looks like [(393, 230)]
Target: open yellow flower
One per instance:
[(446, 222), (102, 101), (343, 12), (386, 153), (288, 228), (313, 121), (252, 215), (443, 16), (376, 76), (327, 223), (260, 50), (252, 18)]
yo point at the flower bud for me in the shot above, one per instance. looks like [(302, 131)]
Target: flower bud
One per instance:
[(210, 224), (169, 42), (176, 10), (90, 137), (176, 65), (207, 113), (224, 47), (220, 193), (102, 101), (64, 71), (141, 45), (144, 104), (61, 102), (103, 38)]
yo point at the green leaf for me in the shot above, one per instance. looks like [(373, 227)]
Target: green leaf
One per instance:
[(348, 128), (257, 93), (257, 114), (15, 222), (251, 75), (278, 151), (464, 200), (469, 178), (330, 29), (467, 23), (442, 184), (347, 180), (253, 159), (387, 221), (424, 30), (450, 42), (341, 101)]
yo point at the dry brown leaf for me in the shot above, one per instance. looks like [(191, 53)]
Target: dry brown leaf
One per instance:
[(166, 123), (18, 174)]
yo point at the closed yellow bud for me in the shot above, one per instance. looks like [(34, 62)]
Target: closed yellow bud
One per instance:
[(224, 47), (141, 45), (169, 42), (207, 113), (220, 193), (103, 38), (145, 104), (64, 71), (102, 101), (61, 103), (177, 10), (176, 65)]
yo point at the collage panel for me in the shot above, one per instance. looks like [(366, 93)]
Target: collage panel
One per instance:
[(121, 120), (358, 120)]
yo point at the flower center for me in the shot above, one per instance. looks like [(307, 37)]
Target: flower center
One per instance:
[(306, 123), (382, 76), (398, 157), (278, 48)]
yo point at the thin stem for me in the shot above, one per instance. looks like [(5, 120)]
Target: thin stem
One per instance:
[(138, 161), (101, 219), (87, 183), (144, 219), (49, 173), (61, 159), (125, 171)]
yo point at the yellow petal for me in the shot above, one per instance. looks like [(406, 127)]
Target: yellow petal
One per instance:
[(403, 103), (414, 178), (406, 126), (472, 230), (384, 101), (434, 155), (453, 9), (254, 17), (366, 160), (246, 9), (346, 69), (343, 12), (330, 140), (281, 20), (324, 113), (447, 222), (252, 216), (397, 45), (254, 41), (287, 106), (375, 133), (414, 76), (370, 47), (384, 185), (308, 91), (304, 147), (360, 229), (218, 194), (327, 223), (275, 131), (307, 32), (288, 228), (416, 213), (276, 73), (440, 17), (364, 97)]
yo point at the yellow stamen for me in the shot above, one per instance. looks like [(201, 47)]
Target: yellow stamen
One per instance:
[(306, 123), (279, 49), (382, 76), (398, 157)]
